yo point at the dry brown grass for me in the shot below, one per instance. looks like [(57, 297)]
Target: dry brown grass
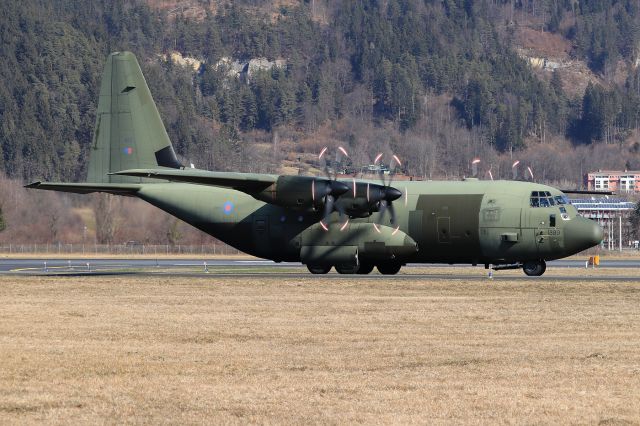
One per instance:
[(161, 350)]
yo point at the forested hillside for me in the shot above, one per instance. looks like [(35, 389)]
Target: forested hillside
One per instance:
[(439, 82)]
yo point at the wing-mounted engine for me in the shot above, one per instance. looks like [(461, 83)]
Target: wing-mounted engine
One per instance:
[(352, 198), (349, 198), (365, 198), (302, 192)]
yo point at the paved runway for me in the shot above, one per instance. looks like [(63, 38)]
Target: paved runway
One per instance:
[(220, 268)]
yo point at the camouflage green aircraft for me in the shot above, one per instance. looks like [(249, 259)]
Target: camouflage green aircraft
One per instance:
[(324, 222)]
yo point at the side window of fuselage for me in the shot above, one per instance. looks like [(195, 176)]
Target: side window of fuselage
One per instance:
[(552, 220)]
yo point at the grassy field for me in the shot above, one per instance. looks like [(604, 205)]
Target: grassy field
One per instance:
[(162, 350)]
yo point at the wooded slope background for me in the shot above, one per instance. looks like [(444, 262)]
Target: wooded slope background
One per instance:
[(553, 83), (438, 82)]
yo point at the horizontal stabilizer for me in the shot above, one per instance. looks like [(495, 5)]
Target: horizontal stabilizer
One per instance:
[(87, 188), (245, 182)]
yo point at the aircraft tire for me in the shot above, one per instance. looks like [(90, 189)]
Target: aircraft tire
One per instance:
[(389, 268), (319, 269), (346, 269), (365, 268), (534, 268)]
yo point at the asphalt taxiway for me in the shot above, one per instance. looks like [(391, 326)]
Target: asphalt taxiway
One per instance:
[(255, 268)]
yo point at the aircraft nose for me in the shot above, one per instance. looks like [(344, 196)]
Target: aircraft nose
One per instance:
[(581, 234)]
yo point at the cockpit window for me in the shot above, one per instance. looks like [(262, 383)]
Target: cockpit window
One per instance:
[(545, 199)]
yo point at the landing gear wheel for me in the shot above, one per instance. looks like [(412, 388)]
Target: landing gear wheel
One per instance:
[(346, 269), (534, 268), (389, 268), (319, 269), (365, 268)]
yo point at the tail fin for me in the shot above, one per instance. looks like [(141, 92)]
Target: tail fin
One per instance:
[(129, 133)]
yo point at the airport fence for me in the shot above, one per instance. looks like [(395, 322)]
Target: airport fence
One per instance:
[(120, 249), (181, 249)]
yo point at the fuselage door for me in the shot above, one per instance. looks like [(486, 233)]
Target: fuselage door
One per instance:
[(546, 235), (261, 233), (542, 237)]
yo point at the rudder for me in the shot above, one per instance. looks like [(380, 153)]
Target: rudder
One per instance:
[(129, 133)]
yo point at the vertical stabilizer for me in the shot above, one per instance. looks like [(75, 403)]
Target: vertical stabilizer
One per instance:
[(129, 133)]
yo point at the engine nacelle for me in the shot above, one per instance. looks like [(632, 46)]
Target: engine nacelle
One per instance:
[(301, 192), (356, 199)]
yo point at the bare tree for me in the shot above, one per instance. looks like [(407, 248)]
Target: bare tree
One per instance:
[(105, 207)]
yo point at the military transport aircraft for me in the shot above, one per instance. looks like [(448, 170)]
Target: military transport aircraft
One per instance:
[(353, 225)]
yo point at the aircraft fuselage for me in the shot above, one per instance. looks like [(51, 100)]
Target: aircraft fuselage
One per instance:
[(477, 222)]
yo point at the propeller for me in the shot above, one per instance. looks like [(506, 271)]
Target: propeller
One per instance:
[(385, 194), (333, 188)]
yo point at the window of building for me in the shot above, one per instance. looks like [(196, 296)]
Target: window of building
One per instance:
[(627, 183), (602, 182)]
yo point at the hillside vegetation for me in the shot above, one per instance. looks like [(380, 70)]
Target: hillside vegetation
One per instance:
[(438, 82)]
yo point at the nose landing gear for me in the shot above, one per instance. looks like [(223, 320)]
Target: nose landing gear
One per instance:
[(534, 268)]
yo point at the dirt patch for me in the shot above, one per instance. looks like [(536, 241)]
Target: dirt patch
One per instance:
[(542, 43)]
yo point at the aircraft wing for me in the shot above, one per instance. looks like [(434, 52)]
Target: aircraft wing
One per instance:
[(245, 182), (87, 188), (584, 191)]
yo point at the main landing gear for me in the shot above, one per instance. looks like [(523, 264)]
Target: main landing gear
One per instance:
[(386, 268), (319, 269), (389, 268), (534, 268)]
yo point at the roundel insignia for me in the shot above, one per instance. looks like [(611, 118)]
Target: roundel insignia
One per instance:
[(227, 208), (127, 150)]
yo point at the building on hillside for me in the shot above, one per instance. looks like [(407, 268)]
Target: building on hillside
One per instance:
[(609, 180), (613, 215)]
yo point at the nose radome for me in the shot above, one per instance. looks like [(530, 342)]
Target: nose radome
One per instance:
[(581, 234), (597, 233)]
